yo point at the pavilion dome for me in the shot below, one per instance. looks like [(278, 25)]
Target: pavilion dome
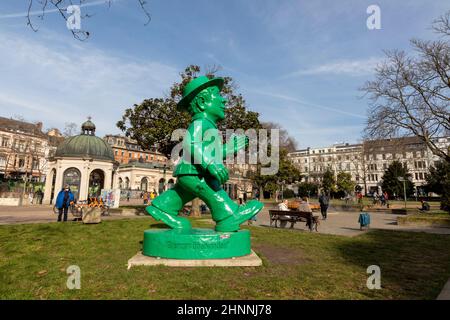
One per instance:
[(85, 145)]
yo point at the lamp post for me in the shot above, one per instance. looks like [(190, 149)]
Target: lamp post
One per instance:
[(404, 187)]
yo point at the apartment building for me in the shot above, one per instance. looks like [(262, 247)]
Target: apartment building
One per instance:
[(127, 150), (367, 161), (24, 149)]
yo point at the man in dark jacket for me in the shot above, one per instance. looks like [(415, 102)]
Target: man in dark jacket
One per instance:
[(63, 200), (324, 200)]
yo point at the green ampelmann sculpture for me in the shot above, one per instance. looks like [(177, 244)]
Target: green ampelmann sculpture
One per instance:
[(200, 173)]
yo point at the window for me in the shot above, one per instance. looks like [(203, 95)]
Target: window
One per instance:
[(116, 152), (122, 153), (5, 142), (129, 155)]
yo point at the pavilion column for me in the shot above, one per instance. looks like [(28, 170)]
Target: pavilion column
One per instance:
[(84, 183), (48, 186), (59, 179), (108, 178)]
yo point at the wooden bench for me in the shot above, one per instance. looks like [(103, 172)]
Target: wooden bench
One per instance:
[(293, 217)]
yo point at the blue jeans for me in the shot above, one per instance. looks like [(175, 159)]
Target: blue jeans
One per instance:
[(60, 212)]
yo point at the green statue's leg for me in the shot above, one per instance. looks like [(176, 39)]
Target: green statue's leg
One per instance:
[(225, 212), (166, 207)]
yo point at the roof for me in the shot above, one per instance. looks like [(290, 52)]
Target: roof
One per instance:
[(21, 127), (86, 145)]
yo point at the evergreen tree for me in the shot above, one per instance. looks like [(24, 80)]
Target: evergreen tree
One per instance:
[(344, 183), (328, 181), (438, 181), (392, 184)]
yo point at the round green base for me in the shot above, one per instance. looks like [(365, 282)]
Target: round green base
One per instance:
[(196, 244)]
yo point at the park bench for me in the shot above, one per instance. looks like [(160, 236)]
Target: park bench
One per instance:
[(293, 217)]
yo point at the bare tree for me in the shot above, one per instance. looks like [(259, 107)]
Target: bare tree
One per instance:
[(60, 6), (286, 141), (411, 93), (70, 129)]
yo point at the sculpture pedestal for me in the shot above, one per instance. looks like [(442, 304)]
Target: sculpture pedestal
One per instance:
[(196, 244)]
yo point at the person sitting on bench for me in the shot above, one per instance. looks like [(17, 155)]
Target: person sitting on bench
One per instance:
[(425, 206), (304, 207), (283, 206)]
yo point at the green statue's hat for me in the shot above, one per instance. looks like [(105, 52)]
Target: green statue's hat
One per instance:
[(195, 86)]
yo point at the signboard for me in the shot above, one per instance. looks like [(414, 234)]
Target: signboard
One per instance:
[(111, 197)]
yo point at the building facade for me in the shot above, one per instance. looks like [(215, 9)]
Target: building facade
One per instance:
[(25, 150), (367, 161), (89, 164), (127, 150)]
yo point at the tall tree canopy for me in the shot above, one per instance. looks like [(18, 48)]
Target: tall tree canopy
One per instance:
[(438, 181), (344, 183), (153, 121), (392, 184), (411, 93), (328, 181)]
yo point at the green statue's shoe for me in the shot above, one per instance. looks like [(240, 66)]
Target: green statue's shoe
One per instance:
[(244, 213), (174, 222)]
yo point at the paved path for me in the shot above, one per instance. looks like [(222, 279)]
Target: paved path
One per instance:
[(39, 214), (346, 223), (338, 223)]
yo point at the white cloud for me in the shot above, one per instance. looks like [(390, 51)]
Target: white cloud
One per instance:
[(308, 105), (341, 67), (56, 81)]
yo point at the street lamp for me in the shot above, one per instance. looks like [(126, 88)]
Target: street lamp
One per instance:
[(401, 179)]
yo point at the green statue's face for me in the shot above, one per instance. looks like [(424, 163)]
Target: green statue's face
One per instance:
[(212, 103)]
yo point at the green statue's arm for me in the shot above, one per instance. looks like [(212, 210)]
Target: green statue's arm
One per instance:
[(234, 144), (208, 162)]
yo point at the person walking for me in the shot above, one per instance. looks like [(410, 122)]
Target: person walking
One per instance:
[(386, 198), (145, 197), (30, 197), (324, 201), (63, 200)]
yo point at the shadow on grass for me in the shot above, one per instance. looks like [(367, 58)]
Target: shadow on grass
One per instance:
[(415, 265)]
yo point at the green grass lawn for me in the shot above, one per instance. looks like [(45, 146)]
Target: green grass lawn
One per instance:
[(297, 265)]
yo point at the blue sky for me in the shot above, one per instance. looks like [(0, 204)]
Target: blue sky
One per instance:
[(298, 63)]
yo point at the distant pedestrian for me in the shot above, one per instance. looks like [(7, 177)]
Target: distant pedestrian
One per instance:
[(145, 197), (324, 201), (375, 198), (128, 196), (382, 199), (63, 201), (30, 197), (386, 198), (39, 196)]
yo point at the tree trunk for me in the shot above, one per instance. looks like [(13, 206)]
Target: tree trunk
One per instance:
[(195, 210)]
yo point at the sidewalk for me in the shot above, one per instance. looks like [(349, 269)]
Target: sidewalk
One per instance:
[(38, 214), (345, 223)]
